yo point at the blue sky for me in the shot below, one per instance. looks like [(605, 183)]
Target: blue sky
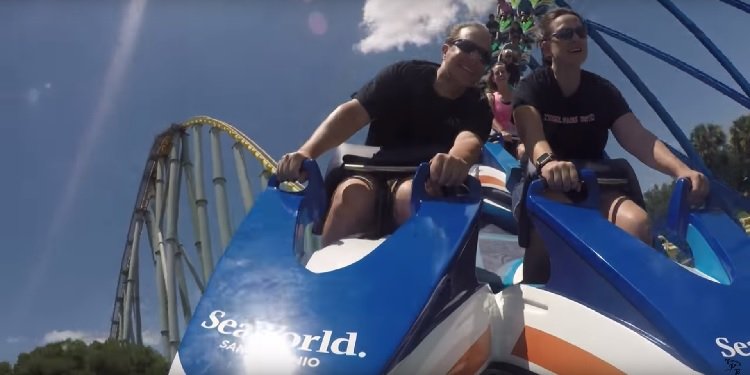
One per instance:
[(86, 85)]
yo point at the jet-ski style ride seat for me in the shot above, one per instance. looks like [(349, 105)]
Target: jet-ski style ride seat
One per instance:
[(610, 173), (685, 310), (365, 317), (617, 173), (382, 164), (352, 158), (413, 306)]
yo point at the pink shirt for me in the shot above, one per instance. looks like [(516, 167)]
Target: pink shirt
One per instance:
[(503, 113)]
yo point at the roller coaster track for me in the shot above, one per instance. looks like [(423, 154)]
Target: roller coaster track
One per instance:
[(156, 209)]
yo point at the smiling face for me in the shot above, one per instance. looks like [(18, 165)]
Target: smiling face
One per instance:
[(563, 41), (466, 55), (499, 74)]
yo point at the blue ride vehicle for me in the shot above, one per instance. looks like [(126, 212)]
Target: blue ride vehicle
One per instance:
[(443, 293)]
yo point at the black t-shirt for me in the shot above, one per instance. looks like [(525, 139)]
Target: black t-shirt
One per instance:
[(576, 127), (405, 111)]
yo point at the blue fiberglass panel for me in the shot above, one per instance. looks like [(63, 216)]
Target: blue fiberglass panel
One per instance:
[(603, 267), (704, 256), (730, 245), (496, 156), (367, 308)]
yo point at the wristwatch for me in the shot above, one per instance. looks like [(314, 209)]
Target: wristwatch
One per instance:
[(542, 160)]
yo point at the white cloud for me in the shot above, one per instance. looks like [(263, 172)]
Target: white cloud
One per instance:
[(394, 24), (87, 337), (480, 8), (33, 95), (14, 339)]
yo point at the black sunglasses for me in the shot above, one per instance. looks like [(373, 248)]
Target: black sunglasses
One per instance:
[(467, 46), (567, 33)]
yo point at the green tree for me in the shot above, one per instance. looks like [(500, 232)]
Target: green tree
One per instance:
[(740, 136), (727, 157), (657, 200), (75, 357), (710, 142), (6, 368), (739, 142), (118, 358)]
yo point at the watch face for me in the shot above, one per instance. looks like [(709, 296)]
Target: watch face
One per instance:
[(545, 156), (542, 160)]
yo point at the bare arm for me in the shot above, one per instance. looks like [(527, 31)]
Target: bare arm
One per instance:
[(560, 175), (530, 130), (644, 145), (467, 147), (452, 168), (342, 123)]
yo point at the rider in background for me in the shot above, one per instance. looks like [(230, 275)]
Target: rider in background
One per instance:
[(506, 21), (493, 26), (516, 44), (408, 105), (511, 61), (540, 7), (526, 21), (500, 98), (564, 113), (503, 7)]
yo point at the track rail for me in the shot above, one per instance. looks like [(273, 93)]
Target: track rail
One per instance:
[(169, 163)]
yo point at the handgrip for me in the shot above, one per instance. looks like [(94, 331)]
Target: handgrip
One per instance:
[(308, 166), (679, 207), (315, 199), (589, 183), (472, 187)]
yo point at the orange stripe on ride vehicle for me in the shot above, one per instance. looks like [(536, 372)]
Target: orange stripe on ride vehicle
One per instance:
[(491, 180), (475, 357), (557, 355)]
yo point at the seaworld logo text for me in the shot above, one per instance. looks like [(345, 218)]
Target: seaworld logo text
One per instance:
[(323, 343), (729, 351)]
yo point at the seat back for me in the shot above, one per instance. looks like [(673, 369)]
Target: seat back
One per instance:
[(376, 160), (615, 172), (261, 287), (385, 163), (609, 172), (346, 153)]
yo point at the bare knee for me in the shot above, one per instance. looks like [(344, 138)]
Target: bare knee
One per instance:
[(352, 207), (353, 198), (633, 219), (402, 202)]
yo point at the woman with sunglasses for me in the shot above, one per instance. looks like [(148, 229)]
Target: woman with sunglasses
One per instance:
[(565, 113), (408, 105)]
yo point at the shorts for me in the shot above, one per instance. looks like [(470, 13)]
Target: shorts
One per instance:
[(385, 186)]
